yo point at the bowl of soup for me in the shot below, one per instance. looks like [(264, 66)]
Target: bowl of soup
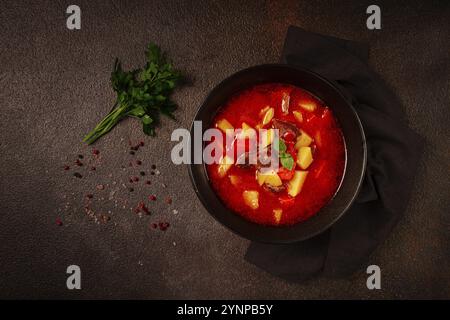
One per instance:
[(289, 153)]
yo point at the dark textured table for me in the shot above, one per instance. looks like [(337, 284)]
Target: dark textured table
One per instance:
[(55, 87)]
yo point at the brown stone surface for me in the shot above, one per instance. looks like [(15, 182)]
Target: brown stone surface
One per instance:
[(55, 87)]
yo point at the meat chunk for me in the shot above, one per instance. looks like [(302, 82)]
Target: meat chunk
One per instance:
[(284, 126), (274, 189)]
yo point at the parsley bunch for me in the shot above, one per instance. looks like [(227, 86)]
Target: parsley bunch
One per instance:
[(142, 93)]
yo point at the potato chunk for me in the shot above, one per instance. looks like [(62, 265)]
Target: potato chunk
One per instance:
[(277, 215), (308, 106), (267, 137), (245, 126), (296, 183), (268, 115), (251, 199), (235, 180), (247, 131), (270, 177), (303, 140), (273, 179), (224, 125), (260, 178), (225, 164), (304, 157), (298, 116)]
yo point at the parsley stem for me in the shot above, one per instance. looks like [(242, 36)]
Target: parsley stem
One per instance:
[(106, 124)]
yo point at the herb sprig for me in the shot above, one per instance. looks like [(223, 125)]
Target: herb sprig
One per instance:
[(141, 93), (286, 159)]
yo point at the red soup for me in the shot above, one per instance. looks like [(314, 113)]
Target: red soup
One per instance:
[(312, 155)]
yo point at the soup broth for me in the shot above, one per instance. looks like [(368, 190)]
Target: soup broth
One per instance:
[(313, 139)]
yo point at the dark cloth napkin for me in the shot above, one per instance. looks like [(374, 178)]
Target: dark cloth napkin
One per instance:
[(393, 154)]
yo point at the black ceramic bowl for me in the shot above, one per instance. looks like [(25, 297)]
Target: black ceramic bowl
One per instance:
[(354, 142)]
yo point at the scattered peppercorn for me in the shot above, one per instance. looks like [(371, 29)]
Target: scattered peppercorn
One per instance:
[(142, 207), (163, 226)]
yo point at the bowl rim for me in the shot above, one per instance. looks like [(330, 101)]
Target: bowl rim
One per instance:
[(331, 222)]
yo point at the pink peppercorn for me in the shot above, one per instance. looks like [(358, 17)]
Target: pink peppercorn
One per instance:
[(163, 226)]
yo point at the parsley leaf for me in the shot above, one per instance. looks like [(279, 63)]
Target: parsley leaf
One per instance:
[(141, 93), (286, 159), (281, 146)]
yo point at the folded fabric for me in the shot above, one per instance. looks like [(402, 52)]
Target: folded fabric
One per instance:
[(393, 154)]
